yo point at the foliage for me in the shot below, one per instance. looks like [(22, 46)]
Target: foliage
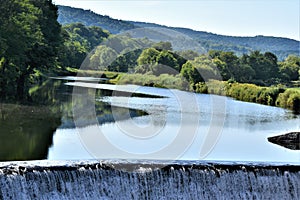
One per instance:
[(102, 57), (272, 96), (289, 99), (118, 53), (265, 65), (163, 80), (199, 70), (29, 39), (290, 68), (159, 61), (163, 46), (79, 40)]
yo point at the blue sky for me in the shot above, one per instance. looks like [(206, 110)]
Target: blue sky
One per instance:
[(227, 17)]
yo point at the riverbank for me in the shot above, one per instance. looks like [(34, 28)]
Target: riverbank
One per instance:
[(279, 96)]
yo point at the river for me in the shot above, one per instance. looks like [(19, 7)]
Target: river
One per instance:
[(155, 123)]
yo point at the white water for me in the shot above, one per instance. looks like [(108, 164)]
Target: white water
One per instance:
[(178, 182)]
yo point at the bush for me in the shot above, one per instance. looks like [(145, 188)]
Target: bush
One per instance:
[(163, 81), (289, 99)]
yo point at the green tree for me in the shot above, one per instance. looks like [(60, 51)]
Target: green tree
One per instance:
[(265, 65), (30, 36), (125, 62), (190, 73), (102, 58), (79, 40), (290, 68), (166, 58), (200, 69), (148, 57), (159, 62)]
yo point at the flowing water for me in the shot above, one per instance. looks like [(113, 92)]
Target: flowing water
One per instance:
[(146, 181)]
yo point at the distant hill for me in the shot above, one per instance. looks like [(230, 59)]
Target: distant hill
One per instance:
[(282, 47), (69, 15)]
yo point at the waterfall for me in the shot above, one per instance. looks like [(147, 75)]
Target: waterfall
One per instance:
[(103, 180)]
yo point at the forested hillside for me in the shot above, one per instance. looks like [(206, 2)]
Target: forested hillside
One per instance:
[(281, 47), (69, 15)]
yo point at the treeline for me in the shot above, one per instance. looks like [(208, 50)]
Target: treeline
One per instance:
[(148, 58), (243, 77)]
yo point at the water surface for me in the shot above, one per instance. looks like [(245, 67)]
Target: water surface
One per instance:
[(157, 123), (244, 128)]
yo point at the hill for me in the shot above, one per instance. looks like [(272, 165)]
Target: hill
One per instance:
[(68, 15), (282, 47)]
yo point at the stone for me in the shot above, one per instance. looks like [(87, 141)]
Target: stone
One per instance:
[(289, 140)]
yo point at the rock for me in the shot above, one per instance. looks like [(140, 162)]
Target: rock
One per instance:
[(289, 140)]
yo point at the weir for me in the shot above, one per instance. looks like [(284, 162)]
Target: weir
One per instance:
[(147, 180)]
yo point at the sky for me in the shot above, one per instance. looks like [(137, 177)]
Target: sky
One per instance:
[(278, 18)]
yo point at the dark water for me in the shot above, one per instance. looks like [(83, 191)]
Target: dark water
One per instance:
[(26, 132), (48, 131)]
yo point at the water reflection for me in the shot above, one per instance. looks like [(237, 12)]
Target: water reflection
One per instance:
[(26, 132), (244, 133)]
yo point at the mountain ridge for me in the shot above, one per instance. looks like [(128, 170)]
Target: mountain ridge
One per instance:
[(280, 46)]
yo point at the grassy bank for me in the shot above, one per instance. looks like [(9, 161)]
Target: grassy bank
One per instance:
[(279, 96), (273, 96)]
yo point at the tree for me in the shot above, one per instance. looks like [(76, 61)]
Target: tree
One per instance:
[(125, 62), (290, 68), (167, 59), (159, 62), (30, 39), (79, 40), (199, 70), (102, 58), (264, 65), (190, 73), (148, 56), (20, 32)]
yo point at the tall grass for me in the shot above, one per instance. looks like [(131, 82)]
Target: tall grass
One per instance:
[(272, 96)]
